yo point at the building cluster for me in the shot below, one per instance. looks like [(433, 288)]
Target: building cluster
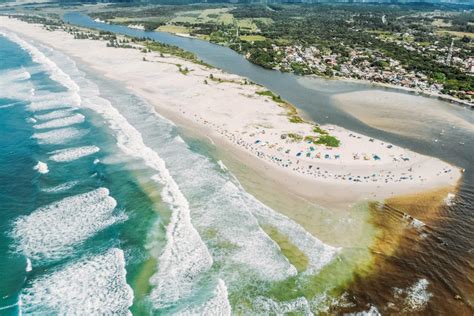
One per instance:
[(361, 64)]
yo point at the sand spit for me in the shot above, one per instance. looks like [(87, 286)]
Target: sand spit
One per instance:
[(255, 129)]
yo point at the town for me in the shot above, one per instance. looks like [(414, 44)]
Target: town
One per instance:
[(428, 49)]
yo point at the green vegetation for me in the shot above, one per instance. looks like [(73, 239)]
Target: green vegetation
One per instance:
[(270, 94), (252, 38), (328, 140), (170, 50), (184, 70), (404, 45), (319, 130), (312, 139), (174, 29), (296, 119), (174, 51), (295, 137)]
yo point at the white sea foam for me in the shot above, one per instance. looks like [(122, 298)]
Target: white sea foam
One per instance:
[(41, 167), (56, 74), (18, 74), (318, 253), (46, 101), (10, 306), (54, 114), (12, 83), (53, 101), (61, 122), (417, 223), (61, 187), (29, 266), (218, 304), (372, 311), (449, 199), (185, 256), (179, 139), (95, 285), (71, 154), (265, 306), (52, 231), (59, 136), (221, 164), (415, 297), (9, 105), (418, 295), (238, 224), (17, 90), (220, 205)]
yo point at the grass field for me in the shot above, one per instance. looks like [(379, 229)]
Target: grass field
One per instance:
[(252, 38), (457, 34), (170, 28), (247, 24), (441, 23), (218, 16)]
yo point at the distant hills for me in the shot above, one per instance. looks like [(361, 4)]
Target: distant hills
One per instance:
[(428, 2)]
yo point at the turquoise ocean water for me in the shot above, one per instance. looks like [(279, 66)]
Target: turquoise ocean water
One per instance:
[(106, 209)]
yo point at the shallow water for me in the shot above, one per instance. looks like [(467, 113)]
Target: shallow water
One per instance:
[(120, 199)]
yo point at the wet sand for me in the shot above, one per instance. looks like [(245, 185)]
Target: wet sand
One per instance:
[(376, 108)]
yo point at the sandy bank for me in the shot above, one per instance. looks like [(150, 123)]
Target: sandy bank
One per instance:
[(389, 111), (254, 129), (413, 91)]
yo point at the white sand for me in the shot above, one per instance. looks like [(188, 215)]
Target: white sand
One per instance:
[(250, 126)]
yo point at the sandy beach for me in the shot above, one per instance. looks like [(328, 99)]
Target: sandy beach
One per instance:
[(253, 128)]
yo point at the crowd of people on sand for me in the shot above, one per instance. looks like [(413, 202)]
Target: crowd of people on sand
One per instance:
[(309, 158)]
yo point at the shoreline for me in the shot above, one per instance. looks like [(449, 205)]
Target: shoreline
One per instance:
[(411, 91), (439, 96), (251, 126)]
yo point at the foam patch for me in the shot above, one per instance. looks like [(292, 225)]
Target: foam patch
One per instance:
[(71, 154), (52, 231), (59, 136), (61, 122), (92, 286)]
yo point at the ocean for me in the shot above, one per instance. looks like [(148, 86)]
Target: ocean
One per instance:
[(107, 208)]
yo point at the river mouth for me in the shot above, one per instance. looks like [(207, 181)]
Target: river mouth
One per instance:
[(460, 211), (398, 113)]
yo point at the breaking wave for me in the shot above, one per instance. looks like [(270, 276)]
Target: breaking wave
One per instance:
[(52, 231), (59, 136), (61, 187), (299, 306), (235, 230), (94, 285), (217, 305), (54, 114), (185, 255), (71, 154), (61, 122), (41, 167)]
